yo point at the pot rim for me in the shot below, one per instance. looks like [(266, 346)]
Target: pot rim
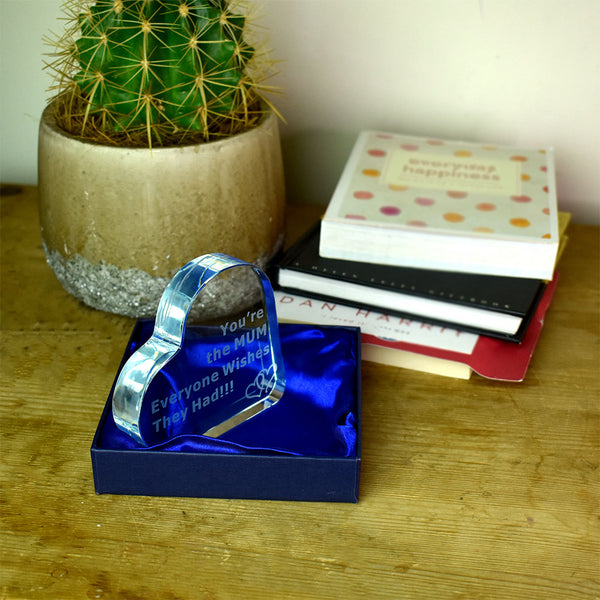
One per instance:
[(48, 121)]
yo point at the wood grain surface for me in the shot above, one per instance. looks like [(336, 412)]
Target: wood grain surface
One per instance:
[(469, 489)]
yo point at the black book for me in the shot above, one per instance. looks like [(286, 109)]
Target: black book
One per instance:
[(491, 305)]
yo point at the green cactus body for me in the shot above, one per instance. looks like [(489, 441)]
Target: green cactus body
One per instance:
[(163, 66)]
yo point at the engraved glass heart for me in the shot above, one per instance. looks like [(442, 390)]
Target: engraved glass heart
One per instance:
[(208, 377)]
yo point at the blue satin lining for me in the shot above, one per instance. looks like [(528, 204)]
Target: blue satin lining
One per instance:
[(317, 415)]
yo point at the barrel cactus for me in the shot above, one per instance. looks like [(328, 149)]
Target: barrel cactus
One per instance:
[(158, 72)]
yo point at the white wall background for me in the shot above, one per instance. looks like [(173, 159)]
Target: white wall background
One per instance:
[(524, 72)]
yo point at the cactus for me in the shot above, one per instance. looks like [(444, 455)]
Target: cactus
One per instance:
[(157, 72)]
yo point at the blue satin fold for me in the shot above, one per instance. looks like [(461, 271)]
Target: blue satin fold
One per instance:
[(317, 415)]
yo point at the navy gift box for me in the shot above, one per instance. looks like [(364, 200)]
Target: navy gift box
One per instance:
[(307, 447)]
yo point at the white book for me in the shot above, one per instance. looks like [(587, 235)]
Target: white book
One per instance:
[(444, 205)]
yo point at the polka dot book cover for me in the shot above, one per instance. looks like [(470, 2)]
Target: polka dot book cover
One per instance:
[(438, 204)]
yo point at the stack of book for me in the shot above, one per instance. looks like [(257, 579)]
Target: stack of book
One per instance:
[(454, 239)]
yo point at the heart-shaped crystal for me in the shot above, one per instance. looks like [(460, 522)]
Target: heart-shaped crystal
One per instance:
[(204, 378)]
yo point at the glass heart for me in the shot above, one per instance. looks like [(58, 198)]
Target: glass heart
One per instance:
[(205, 377)]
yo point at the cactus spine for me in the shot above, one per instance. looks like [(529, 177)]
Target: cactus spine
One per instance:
[(157, 72)]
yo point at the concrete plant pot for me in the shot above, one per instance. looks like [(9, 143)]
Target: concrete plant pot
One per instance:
[(117, 223)]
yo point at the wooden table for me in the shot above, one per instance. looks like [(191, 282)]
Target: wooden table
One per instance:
[(470, 489)]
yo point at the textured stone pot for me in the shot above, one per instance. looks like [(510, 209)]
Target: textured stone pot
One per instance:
[(117, 223)]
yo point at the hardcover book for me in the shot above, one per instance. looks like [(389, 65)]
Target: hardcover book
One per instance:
[(453, 206), (493, 305), (425, 347)]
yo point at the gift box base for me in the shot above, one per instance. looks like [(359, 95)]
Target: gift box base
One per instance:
[(157, 472)]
